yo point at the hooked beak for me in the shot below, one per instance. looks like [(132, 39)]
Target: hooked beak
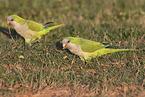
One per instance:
[(64, 46), (8, 23)]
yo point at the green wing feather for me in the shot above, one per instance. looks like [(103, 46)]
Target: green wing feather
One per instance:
[(34, 26), (87, 45)]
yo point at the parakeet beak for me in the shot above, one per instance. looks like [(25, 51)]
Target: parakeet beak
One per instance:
[(64, 46), (8, 23)]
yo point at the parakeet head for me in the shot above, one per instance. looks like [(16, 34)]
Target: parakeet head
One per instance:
[(69, 43), (64, 42), (13, 19)]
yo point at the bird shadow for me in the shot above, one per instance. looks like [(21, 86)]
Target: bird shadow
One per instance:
[(59, 47), (10, 33)]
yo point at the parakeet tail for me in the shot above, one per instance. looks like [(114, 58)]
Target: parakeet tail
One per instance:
[(106, 51), (47, 29), (54, 27)]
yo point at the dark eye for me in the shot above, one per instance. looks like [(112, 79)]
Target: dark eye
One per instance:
[(12, 19), (68, 41)]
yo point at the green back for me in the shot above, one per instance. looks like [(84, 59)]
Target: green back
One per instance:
[(34, 26), (86, 45), (19, 19)]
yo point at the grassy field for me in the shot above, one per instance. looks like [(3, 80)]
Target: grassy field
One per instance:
[(47, 70)]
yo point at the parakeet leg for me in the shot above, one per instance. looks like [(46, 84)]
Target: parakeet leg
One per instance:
[(84, 61), (82, 58), (28, 43), (38, 40)]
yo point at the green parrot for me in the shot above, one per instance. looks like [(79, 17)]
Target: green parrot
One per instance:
[(87, 49), (28, 29)]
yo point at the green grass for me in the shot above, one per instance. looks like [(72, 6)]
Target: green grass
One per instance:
[(45, 71)]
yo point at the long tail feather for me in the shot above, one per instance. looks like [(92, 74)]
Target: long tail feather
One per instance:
[(106, 51), (46, 30), (54, 27)]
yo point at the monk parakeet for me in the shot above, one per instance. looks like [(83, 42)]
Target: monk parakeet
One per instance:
[(87, 49), (28, 29)]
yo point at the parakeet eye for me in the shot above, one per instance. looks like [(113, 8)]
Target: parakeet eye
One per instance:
[(12, 19), (68, 41)]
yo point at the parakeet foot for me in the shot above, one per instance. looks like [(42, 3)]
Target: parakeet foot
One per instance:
[(38, 40)]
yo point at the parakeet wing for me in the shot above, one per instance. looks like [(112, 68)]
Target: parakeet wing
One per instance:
[(34, 26), (87, 45), (90, 46)]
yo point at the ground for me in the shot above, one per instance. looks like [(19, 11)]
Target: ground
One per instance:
[(47, 70)]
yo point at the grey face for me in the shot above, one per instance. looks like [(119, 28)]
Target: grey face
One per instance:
[(65, 41), (9, 20)]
